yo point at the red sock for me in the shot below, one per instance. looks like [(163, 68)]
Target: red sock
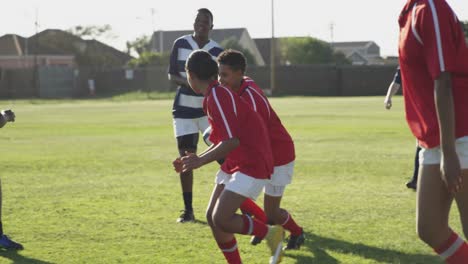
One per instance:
[(291, 226), (454, 250), (230, 251), (250, 207), (254, 227)]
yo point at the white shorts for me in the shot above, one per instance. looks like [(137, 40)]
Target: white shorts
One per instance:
[(183, 126), (282, 176), (241, 184), (432, 156)]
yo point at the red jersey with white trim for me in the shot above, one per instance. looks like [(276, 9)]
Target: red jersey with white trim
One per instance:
[(230, 117), (282, 144), (431, 42)]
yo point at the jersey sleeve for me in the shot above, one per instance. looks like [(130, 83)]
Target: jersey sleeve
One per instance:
[(222, 110), (435, 22), (397, 77), (173, 60)]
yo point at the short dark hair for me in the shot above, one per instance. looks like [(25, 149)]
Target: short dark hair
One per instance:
[(202, 65), (207, 12), (234, 59)]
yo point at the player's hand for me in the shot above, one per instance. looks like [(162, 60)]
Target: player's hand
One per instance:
[(177, 163), (388, 103), (451, 172), (190, 162), (8, 115)]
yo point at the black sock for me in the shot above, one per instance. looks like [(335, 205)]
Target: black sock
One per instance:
[(1, 228), (188, 201), (416, 165)]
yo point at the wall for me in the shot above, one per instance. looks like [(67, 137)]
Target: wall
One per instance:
[(326, 80), (17, 83), (307, 80)]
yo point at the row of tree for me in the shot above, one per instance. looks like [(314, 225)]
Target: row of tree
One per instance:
[(294, 50), (303, 50)]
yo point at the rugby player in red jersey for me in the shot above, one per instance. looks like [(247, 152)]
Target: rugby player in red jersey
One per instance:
[(434, 68)]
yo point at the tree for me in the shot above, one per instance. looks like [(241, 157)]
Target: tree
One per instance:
[(140, 45), (92, 31), (307, 50), (147, 59), (232, 43)]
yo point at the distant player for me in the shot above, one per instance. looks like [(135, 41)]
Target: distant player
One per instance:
[(5, 241), (238, 136), (433, 59), (392, 90), (187, 111), (232, 66)]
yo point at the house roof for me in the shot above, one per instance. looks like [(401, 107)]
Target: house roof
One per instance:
[(351, 44), (169, 37), (11, 44), (356, 57), (99, 45), (54, 42), (264, 46)]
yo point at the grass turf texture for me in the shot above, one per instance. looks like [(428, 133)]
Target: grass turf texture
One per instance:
[(91, 181)]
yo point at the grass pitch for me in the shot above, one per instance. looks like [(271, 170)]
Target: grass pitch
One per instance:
[(91, 181)]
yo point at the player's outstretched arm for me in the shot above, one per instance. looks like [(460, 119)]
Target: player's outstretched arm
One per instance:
[(450, 165), (6, 116), (2, 121), (392, 90), (191, 161), (210, 147)]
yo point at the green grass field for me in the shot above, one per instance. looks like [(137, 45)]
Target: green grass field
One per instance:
[(91, 181)]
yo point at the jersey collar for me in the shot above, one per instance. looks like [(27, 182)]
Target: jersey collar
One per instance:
[(212, 85)]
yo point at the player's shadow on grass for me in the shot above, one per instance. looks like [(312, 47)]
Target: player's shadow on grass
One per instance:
[(200, 222), (319, 246), (20, 259)]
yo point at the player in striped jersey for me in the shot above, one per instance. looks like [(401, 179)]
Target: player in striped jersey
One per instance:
[(433, 60), (392, 90), (232, 66), (188, 116)]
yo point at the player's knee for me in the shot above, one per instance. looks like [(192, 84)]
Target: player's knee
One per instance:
[(187, 143), (219, 220), (209, 217)]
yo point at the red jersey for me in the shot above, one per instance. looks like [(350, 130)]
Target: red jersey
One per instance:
[(230, 117), (431, 42), (282, 144)]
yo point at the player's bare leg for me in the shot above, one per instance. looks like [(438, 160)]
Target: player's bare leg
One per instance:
[(433, 207), (226, 242), (461, 199), (218, 189), (225, 223), (278, 216)]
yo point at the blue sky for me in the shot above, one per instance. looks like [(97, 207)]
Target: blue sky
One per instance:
[(353, 20)]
